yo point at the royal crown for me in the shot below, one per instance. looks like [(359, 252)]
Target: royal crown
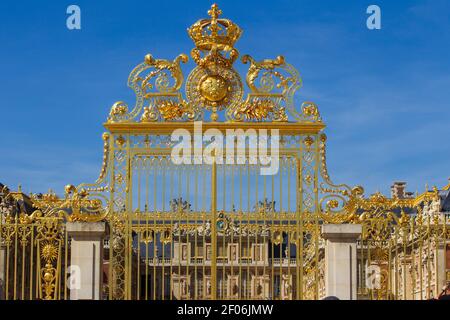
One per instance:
[(214, 32)]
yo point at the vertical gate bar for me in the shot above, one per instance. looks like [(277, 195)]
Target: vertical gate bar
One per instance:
[(413, 278), (258, 236), (265, 258), (232, 240), (205, 246), (288, 184), (164, 165), (389, 277), (213, 227), (396, 264), (428, 258), (139, 168), (249, 226), (241, 253), (31, 260), (436, 255), (284, 168), (112, 283), (272, 213), (163, 270), (128, 212), (316, 215), (444, 252), (172, 243), (298, 214), (15, 256), (224, 212), (188, 244), (256, 246), (139, 185), (369, 243), (155, 233), (38, 272), (163, 243), (404, 264), (58, 273), (223, 259), (420, 265), (282, 226), (138, 273), (66, 260), (23, 267), (196, 231), (195, 256), (179, 231), (362, 265), (147, 217)]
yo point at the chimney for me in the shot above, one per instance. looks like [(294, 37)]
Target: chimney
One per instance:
[(398, 190)]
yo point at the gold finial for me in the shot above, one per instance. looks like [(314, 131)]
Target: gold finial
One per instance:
[(214, 12), (19, 188)]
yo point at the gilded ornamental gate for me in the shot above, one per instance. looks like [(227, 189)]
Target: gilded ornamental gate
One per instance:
[(220, 229)]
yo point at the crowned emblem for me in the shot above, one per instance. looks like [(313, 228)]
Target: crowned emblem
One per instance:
[(214, 85)]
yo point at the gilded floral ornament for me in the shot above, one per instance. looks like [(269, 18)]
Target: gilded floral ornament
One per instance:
[(118, 111), (311, 111), (167, 109), (259, 110)]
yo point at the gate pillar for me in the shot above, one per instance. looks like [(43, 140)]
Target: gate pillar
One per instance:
[(340, 259), (86, 259)]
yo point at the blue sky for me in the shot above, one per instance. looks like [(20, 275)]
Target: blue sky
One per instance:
[(384, 94)]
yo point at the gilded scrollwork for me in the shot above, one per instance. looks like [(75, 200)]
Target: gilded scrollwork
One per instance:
[(105, 158), (81, 206), (151, 80), (338, 203), (161, 80), (310, 111), (267, 70), (270, 99)]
